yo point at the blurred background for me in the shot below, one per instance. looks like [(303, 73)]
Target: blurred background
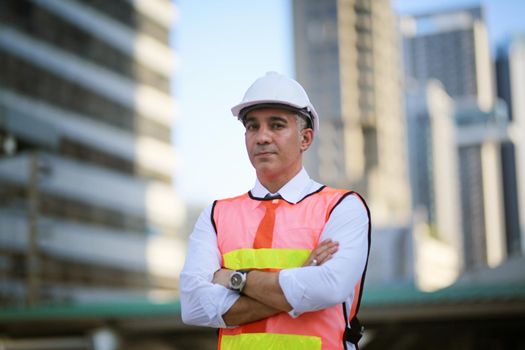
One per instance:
[(115, 133)]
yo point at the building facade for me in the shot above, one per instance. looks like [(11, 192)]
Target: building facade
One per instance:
[(347, 58), (452, 47), (88, 209), (457, 182), (480, 138), (510, 68)]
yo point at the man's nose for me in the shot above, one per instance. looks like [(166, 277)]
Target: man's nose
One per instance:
[(264, 135)]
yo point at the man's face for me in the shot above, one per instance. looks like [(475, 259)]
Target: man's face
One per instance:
[(274, 142)]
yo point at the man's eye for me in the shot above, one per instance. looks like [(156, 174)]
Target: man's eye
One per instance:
[(250, 127), (278, 126)]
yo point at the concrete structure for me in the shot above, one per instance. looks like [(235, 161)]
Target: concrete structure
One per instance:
[(434, 177), (391, 258), (480, 139), (510, 66), (458, 137), (87, 209), (457, 182), (452, 47), (347, 58)]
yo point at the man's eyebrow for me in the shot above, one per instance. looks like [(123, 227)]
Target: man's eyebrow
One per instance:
[(249, 119), (272, 118), (278, 118)]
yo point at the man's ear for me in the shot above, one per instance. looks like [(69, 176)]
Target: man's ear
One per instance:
[(307, 136)]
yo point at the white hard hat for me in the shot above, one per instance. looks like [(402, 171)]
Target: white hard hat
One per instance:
[(276, 89)]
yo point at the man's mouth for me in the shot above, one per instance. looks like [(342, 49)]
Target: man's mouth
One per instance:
[(264, 153)]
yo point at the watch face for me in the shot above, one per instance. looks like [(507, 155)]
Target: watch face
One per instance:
[(236, 280)]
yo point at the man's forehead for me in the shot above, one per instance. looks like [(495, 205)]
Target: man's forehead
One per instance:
[(269, 113)]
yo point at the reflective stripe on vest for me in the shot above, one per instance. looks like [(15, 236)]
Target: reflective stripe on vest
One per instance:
[(265, 341), (296, 233), (265, 258)]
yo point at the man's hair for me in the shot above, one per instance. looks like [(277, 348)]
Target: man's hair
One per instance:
[(303, 118), (302, 122)]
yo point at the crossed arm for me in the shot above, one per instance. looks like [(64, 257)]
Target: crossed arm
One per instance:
[(263, 296), (206, 302)]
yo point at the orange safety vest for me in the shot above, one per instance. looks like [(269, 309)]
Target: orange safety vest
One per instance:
[(296, 232)]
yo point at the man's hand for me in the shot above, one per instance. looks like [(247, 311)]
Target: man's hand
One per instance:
[(322, 253), (222, 277), (263, 296)]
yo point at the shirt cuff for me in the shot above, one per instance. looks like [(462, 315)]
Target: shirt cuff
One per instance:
[(218, 302), (293, 291)]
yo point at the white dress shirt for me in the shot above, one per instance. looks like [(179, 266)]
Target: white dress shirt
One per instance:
[(305, 288)]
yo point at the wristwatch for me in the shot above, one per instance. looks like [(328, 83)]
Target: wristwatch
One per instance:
[(238, 280)]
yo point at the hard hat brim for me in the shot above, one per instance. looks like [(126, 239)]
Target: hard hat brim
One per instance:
[(241, 109)]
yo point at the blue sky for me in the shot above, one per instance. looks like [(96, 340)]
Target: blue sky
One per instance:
[(223, 47)]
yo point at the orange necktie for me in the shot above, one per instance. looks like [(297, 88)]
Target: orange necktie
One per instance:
[(263, 239), (264, 234)]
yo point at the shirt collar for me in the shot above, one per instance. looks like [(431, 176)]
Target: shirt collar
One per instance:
[(293, 191)]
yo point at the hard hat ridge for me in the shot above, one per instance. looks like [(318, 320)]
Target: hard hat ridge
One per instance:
[(277, 90)]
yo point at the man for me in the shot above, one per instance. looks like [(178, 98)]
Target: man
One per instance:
[(282, 266)]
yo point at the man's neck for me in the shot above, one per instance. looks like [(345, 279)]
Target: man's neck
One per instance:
[(275, 183)]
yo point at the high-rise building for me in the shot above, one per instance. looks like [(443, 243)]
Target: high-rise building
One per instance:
[(87, 205), (435, 185), (434, 160), (347, 58), (510, 69), (457, 184), (452, 47), (480, 136)]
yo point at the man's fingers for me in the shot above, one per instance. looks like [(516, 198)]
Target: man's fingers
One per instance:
[(326, 255), (325, 242), (321, 258), (333, 248), (322, 253), (324, 247)]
